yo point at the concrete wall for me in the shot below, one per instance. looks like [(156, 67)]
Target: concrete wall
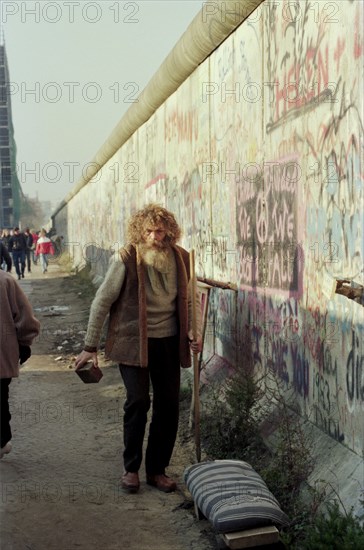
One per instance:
[(260, 155)]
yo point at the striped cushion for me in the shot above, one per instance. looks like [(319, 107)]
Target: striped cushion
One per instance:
[(232, 496)]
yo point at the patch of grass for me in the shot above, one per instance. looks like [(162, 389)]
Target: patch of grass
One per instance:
[(65, 261), (329, 529)]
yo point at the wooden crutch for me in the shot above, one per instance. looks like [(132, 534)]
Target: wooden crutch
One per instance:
[(196, 366)]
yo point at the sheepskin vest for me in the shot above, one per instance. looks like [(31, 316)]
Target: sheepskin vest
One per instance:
[(127, 338)]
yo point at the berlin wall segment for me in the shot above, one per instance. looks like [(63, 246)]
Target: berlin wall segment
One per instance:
[(261, 162)]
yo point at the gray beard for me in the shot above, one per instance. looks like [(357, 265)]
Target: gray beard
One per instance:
[(158, 258)]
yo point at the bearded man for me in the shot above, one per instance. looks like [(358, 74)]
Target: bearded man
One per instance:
[(147, 293)]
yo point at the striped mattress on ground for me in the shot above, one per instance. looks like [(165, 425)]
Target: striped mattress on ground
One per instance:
[(232, 496)]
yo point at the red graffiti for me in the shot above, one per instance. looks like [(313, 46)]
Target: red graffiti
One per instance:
[(358, 44), (291, 94), (183, 126), (339, 50)]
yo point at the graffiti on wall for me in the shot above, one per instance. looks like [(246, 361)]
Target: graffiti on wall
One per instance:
[(299, 76), (268, 227), (269, 191)]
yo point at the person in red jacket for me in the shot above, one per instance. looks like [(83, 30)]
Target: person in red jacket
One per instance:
[(43, 249)]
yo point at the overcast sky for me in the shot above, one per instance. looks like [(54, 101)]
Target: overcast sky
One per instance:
[(75, 67)]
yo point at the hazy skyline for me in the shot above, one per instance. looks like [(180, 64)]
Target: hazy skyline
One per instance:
[(75, 68)]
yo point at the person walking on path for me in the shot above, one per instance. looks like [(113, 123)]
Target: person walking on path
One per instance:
[(5, 258), (18, 329), (146, 291), (43, 249), (29, 243), (35, 240), (17, 247), (5, 237)]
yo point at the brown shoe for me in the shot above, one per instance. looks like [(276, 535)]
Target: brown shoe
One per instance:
[(162, 482), (130, 482)]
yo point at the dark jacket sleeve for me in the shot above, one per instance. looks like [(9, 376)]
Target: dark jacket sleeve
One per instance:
[(29, 241), (10, 244)]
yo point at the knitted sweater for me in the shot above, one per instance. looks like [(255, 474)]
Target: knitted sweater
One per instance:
[(143, 303)]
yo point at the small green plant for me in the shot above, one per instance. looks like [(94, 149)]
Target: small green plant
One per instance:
[(332, 530), (302, 511), (231, 417), (292, 461)]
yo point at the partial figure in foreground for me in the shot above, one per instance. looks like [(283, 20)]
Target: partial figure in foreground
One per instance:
[(19, 327), (147, 293)]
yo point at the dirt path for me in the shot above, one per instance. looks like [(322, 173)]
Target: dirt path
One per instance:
[(60, 484)]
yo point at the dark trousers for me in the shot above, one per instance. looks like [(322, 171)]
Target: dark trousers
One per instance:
[(28, 253), (163, 372), (19, 261), (5, 415)]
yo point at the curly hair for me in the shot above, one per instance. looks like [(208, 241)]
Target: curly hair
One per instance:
[(153, 214)]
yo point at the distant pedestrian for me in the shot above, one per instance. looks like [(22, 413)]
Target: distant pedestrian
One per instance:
[(18, 329), (4, 239), (34, 245), (5, 236), (58, 244), (28, 250), (44, 248), (17, 247), (5, 258)]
